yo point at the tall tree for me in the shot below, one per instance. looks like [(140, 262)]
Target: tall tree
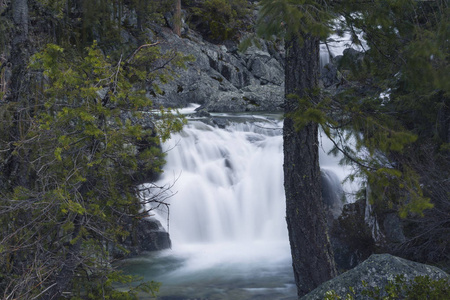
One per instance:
[(312, 255), (19, 48), (406, 41)]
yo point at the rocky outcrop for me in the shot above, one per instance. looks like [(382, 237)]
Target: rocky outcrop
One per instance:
[(376, 271), (221, 78), (145, 235)]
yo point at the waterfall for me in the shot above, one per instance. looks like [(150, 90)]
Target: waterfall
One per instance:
[(229, 183), (227, 214)]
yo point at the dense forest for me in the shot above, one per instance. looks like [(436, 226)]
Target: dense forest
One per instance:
[(79, 132)]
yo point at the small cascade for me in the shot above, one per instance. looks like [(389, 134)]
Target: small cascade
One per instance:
[(324, 56), (332, 192)]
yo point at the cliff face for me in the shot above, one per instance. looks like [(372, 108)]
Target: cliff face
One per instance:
[(221, 78)]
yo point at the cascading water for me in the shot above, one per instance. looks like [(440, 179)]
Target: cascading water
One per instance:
[(234, 182), (227, 218)]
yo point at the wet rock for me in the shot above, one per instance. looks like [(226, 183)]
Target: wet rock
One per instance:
[(202, 113), (249, 98), (393, 229), (329, 75), (220, 122)]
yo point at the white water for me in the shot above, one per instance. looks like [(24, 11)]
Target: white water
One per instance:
[(227, 218), (230, 185)]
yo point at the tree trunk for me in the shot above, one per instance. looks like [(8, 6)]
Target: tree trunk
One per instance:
[(312, 256), (177, 18), (19, 49), (14, 172)]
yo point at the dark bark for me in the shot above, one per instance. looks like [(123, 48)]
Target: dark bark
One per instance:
[(177, 18), (312, 257)]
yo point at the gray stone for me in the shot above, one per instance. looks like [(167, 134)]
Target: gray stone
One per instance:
[(250, 98), (220, 122), (329, 75), (220, 79), (376, 271), (152, 236)]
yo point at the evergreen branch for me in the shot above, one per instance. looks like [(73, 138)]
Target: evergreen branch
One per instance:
[(130, 58)]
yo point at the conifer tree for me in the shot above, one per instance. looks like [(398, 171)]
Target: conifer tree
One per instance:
[(407, 57), (312, 256)]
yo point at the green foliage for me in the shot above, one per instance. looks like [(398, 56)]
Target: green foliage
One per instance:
[(286, 19), (421, 287), (221, 19), (408, 59), (78, 24), (365, 138), (84, 140), (152, 11)]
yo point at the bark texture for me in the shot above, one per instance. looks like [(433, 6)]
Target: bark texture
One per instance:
[(177, 18), (312, 256)]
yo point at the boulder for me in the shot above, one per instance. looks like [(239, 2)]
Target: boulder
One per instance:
[(151, 236), (329, 75), (376, 271)]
